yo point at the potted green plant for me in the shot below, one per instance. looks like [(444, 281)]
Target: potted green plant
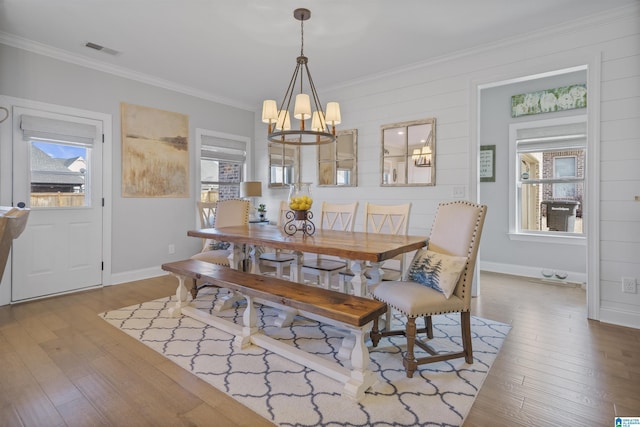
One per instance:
[(262, 211)]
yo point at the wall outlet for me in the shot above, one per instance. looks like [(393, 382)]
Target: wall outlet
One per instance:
[(172, 249), (458, 192), (629, 285)]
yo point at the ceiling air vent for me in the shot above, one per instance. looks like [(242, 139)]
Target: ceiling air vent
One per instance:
[(100, 48)]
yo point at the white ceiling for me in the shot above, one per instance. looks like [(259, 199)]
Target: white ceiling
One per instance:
[(243, 51)]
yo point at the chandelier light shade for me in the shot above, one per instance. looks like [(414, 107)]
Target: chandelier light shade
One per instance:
[(305, 106), (269, 113), (284, 120)]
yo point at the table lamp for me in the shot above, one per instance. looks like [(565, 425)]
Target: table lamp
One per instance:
[(250, 190)]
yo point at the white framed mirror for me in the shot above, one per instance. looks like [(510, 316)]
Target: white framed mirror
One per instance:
[(338, 161), (408, 155)]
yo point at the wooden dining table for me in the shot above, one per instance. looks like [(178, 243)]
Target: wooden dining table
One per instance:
[(358, 247)]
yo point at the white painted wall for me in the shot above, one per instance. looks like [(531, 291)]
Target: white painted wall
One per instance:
[(444, 89), (142, 228)]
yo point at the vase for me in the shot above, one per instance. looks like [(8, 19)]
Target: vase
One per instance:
[(300, 196)]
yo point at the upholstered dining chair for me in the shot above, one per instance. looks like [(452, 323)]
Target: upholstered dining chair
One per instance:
[(333, 216), (439, 281), (279, 259), (228, 213), (388, 219)]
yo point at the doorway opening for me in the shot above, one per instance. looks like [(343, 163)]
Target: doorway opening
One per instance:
[(523, 241)]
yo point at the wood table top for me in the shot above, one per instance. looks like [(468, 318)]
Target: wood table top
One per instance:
[(373, 247)]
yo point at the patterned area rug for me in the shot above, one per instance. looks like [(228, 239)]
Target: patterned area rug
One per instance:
[(289, 394)]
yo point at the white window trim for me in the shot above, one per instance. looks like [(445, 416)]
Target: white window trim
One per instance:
[(542, 236)]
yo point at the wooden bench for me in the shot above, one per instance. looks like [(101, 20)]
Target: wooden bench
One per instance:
[(346, 312)]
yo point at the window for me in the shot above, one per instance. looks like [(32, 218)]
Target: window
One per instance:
[(59, 155), (548, 177), (58, 174), (222, 164)]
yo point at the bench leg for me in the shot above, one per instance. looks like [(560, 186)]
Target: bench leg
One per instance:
[(361, 376), (181, 297), (225, 302), (346, 348), (249, 328), (285, 317)]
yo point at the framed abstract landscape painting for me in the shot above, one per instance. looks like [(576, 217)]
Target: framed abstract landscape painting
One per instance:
[(155, 152)]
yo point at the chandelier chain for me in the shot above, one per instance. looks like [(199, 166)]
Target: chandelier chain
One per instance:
[(302, 37)]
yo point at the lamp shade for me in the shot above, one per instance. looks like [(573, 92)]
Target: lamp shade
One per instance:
[(284, 120), (269, 111), (302, 107), (251, 189), (333, 113), (317, 122)]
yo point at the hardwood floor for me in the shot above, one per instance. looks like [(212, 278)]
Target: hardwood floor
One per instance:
[(61, 365)]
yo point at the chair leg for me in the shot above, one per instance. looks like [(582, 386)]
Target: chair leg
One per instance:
[(194, 289), (410, 363), (428, 324), (375, 333), (465, 323)]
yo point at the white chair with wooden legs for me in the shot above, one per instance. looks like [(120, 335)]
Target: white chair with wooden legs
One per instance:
[(279, 259), (386, 219), (448, 266), (333, 216), (228, 213)]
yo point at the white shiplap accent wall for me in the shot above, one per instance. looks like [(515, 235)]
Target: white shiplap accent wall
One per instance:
[(620, 173), (444, 89)]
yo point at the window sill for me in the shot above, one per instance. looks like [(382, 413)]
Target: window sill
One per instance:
[(549, 238)]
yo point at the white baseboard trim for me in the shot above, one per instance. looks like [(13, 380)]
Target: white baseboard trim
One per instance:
[(528, 271), (629, 319), (132, 276)]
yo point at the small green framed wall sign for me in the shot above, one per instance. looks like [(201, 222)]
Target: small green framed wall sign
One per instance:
[(487, 163), (550, 100)]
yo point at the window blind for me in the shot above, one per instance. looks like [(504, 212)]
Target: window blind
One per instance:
[(34, 127), (223, 149)]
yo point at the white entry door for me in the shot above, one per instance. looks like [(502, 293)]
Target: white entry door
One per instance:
[(57, 173)]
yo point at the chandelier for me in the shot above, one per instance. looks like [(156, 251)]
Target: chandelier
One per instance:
[(422, 156), (279, 119)]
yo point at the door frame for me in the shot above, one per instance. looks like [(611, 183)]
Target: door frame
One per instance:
[(550, 65), (6, 176)]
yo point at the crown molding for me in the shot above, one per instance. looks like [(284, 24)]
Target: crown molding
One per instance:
[(66, 56), (598, 19), (565, 28)]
